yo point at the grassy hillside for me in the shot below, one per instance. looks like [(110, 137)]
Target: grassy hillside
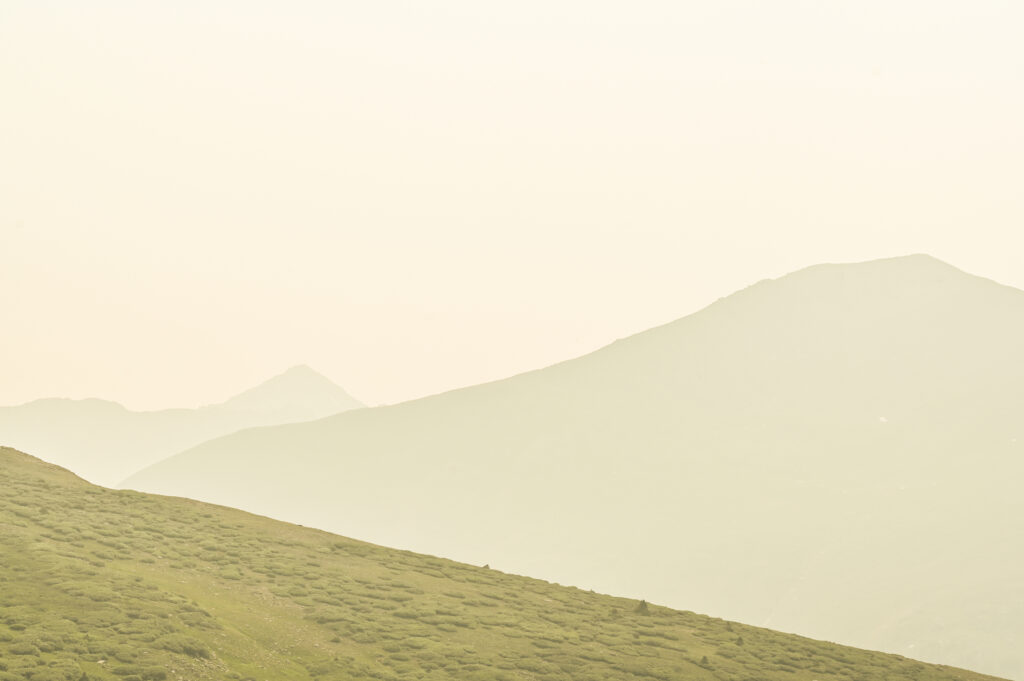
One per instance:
[(835, 453), (105, 584), (104, 442)]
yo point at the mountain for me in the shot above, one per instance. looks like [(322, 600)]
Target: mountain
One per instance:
[(104, 442), (837, 452), (141, 587), (299, 393)]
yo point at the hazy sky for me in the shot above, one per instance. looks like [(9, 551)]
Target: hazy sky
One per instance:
[(415, 196)]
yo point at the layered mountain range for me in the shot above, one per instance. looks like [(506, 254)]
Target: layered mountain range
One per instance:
[(837, 452), (104, 442)]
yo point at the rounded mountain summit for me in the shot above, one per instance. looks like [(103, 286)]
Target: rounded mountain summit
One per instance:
[(836, 453)]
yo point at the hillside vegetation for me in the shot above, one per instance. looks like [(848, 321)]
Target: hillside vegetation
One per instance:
[(104, 584), (835, 453)]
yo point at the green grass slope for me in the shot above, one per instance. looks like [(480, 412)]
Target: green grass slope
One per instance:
[(105, 584)]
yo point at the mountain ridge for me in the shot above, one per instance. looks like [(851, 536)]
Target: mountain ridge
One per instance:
[(727, 449), (105, 441)]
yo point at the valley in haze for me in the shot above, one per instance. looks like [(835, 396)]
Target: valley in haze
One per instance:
[(836, 453), (104, 442)]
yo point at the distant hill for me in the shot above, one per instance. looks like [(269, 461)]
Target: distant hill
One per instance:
[(836, 452), (140, 587), (104, 442)]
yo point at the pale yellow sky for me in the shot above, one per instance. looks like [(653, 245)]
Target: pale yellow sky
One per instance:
[(415, 196)]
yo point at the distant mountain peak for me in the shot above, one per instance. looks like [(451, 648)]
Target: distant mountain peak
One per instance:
[(299, 388), (912, 261), (298, 372), (301, 370), (924, 275), (91, 402), (923, 257), (103, 441)]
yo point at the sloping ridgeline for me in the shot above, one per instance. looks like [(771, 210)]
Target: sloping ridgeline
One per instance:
[(837, 452), (104, 584)]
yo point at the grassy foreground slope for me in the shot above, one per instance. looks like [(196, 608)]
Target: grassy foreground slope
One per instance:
[(105, 584)]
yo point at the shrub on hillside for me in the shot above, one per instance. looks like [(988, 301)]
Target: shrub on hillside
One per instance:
[(178, 643), (23, 648)]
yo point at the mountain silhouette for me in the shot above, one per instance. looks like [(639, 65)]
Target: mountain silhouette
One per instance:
[(104, 442), (300, 392), (836, 453)]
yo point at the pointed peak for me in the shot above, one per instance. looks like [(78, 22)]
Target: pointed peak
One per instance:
[(301, 370), (924, 256), (299, 387), (299, 374)]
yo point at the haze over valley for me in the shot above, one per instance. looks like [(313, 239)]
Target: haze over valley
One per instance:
[(103, 442)]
